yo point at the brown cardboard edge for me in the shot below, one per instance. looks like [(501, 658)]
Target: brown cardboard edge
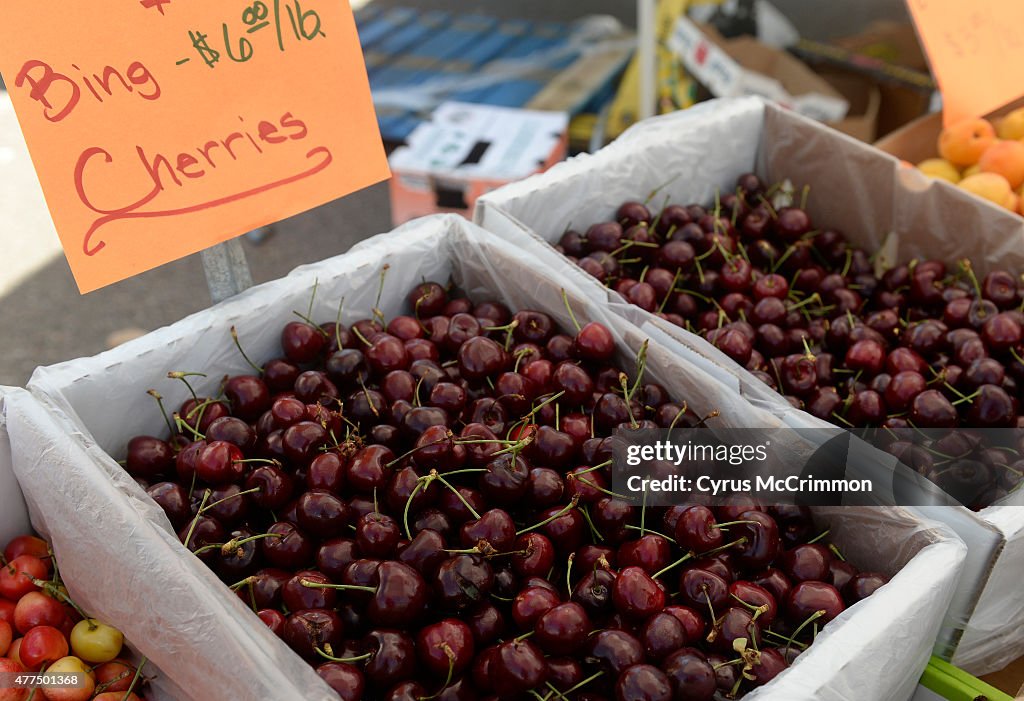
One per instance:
[(916, 140)]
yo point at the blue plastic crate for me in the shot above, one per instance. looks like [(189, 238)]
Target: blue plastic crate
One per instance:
[(408, 51)]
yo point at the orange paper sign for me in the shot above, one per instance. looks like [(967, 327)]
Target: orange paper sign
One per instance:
[(159, 128), (974, 47)]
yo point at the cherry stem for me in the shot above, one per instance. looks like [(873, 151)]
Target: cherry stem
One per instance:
[(713, 414), (757, 610), (465, 471), (590, 522), (198, 410), (731, 523), (591, 469), (624, 384), (183, 377), (163, 412), (57, 592), (228, 498), (568, 308), (836, 552), (818, 537), (682, 410), (802, 646), (810, 619), (421, 483), (449, 436), (358, 334), (312, 298), (195, 521), (965, 265), (631, 527), (584, 682), (782, 259), (564, 510), (968, 398), (238, 345), (347, 660), (688, 556), (643, 514), (736, 687), (185, 426), (568, 573), (552, 398), (641, 367), (346, 587), (722, 548), (519, 355), (100, 688), (135, 679), (671, 289), (451, 670), (598, 488), (729, 663), (235, 543), (456, 492)]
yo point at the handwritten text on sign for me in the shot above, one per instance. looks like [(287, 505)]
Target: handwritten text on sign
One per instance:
[(973, 48), (161, 127)]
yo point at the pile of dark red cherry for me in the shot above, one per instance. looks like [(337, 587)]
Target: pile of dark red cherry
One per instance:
[(422, 509), (920, 346)]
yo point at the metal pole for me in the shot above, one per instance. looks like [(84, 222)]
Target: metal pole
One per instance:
[(227, 270), (647, 53)]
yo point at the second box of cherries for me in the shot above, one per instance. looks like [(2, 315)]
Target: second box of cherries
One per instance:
[(421, 507), (922, 345)]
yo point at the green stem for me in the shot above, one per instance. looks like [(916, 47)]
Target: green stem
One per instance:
[(564, 510), (195, 521)]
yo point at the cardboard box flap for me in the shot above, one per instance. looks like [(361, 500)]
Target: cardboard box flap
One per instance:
[(745, 66)]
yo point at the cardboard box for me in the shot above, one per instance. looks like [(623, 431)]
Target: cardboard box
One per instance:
[(880, 206), (1010, 679), (745, 66), (891, 54), (466, 150), (865, 99)]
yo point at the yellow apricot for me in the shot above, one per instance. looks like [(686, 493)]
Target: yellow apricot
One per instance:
[(963, 143)]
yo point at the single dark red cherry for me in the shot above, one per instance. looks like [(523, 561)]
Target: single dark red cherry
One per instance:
[(691, 676), (563, 629), (643, 682), (808, 598), (636, 595), (614, 650), (518, 666)]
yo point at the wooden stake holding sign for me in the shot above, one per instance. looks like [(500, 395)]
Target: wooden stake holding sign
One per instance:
[(160, 128)]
